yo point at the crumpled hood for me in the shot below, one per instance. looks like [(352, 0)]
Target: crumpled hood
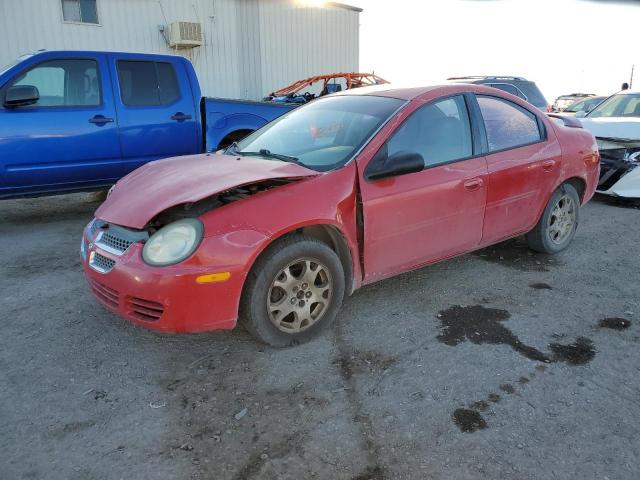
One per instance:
[(613, 127), (156, 186)]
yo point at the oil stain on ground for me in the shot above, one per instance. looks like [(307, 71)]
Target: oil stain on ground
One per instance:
[(615, 323), (372, 473), (577, 353), (516, 254), (469, 420), (482, 325)]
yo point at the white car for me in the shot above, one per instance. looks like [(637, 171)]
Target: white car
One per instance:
[(616, 125)]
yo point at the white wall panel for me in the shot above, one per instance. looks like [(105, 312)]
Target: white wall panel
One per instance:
[(251, 46)]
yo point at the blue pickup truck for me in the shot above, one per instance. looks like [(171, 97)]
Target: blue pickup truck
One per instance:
[(73, 120)]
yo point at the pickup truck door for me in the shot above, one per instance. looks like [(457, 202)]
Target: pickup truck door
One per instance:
[(414, 219), (157, 113), (69, 137)]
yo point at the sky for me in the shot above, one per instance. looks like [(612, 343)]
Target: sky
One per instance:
[(565, 46)]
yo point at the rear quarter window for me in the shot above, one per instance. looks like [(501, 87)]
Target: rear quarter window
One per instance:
[(507, 125)]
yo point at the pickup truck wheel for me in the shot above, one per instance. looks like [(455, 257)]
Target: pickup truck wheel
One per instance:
[(294, 291), (557, 226)]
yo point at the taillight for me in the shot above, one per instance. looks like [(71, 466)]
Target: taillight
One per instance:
[(549, 108)]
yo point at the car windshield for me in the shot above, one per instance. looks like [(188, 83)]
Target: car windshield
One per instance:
[(583, 105), (620, 105), (321, 135)]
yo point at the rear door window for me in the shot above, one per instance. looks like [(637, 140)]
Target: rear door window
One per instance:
[(507, 125), (144, 83)]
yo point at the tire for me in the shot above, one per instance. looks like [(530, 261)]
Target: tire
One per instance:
[(293, 292), (557, 226)]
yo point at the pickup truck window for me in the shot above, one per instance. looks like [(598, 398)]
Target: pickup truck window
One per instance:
[(439, 131), (144, 84), (64, 83), (323, 134), (508, 125)]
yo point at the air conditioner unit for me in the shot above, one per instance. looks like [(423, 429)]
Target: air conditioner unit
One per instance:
[(185, 35)]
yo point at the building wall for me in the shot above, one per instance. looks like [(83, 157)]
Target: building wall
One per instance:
[(252, 47)]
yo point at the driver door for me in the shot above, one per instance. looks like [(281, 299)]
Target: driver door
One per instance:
[(419, 218)]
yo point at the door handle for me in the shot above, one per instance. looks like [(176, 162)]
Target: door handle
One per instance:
[(100, 120), (180, 117), (548, 165), (473, 184)]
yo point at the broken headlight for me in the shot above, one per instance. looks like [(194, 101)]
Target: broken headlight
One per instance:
[(173, 243)]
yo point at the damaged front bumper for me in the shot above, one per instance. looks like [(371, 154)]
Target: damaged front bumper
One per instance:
[(619, 167)]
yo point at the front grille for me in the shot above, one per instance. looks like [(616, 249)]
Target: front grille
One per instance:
[(115, 242), (114, 238), (108, 295), (142, 309), (101, 263)]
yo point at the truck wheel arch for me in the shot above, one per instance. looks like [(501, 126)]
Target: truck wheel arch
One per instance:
[(234, 136)]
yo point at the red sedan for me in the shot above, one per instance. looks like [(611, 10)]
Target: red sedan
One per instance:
[(342, 192)]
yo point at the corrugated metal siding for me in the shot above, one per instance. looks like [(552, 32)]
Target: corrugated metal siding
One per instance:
[(251, 47)]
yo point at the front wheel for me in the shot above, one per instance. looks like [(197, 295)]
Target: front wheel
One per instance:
[(294, 291), (557, 226)]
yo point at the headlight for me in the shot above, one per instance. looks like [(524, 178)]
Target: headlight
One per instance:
[(173, 243)]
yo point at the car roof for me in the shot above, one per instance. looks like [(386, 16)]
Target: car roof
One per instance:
[(412, 92), (489, 77)]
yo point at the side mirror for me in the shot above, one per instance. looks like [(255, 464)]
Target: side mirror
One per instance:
[(581, 114), (400, 163), (21, 95)]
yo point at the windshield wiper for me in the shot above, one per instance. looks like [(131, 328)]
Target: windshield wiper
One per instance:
[(268, 154)]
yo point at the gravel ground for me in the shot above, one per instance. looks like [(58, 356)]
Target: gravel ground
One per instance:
[(498, 364)]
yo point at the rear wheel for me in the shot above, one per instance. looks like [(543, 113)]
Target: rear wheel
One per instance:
[(294, 291), (557, 226)]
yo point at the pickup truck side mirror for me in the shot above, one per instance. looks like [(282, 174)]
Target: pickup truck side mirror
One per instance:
[(400, 163), (21, 96), (581, 114)]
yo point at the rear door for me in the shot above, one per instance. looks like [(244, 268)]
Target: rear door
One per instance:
[(156, 111), (523, 161), (414, 219), (69, 138)]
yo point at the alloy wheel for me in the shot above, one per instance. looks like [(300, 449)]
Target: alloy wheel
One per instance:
[(562, 220), (300, 295)]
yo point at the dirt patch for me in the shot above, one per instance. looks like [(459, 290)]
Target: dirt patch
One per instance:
[(577, 353), (541, 286), (493, 397), (482, 325), (516, 254), (507, 388), (480, 405), (371, 473), (615, 323), (364, 361), (469, 420)]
